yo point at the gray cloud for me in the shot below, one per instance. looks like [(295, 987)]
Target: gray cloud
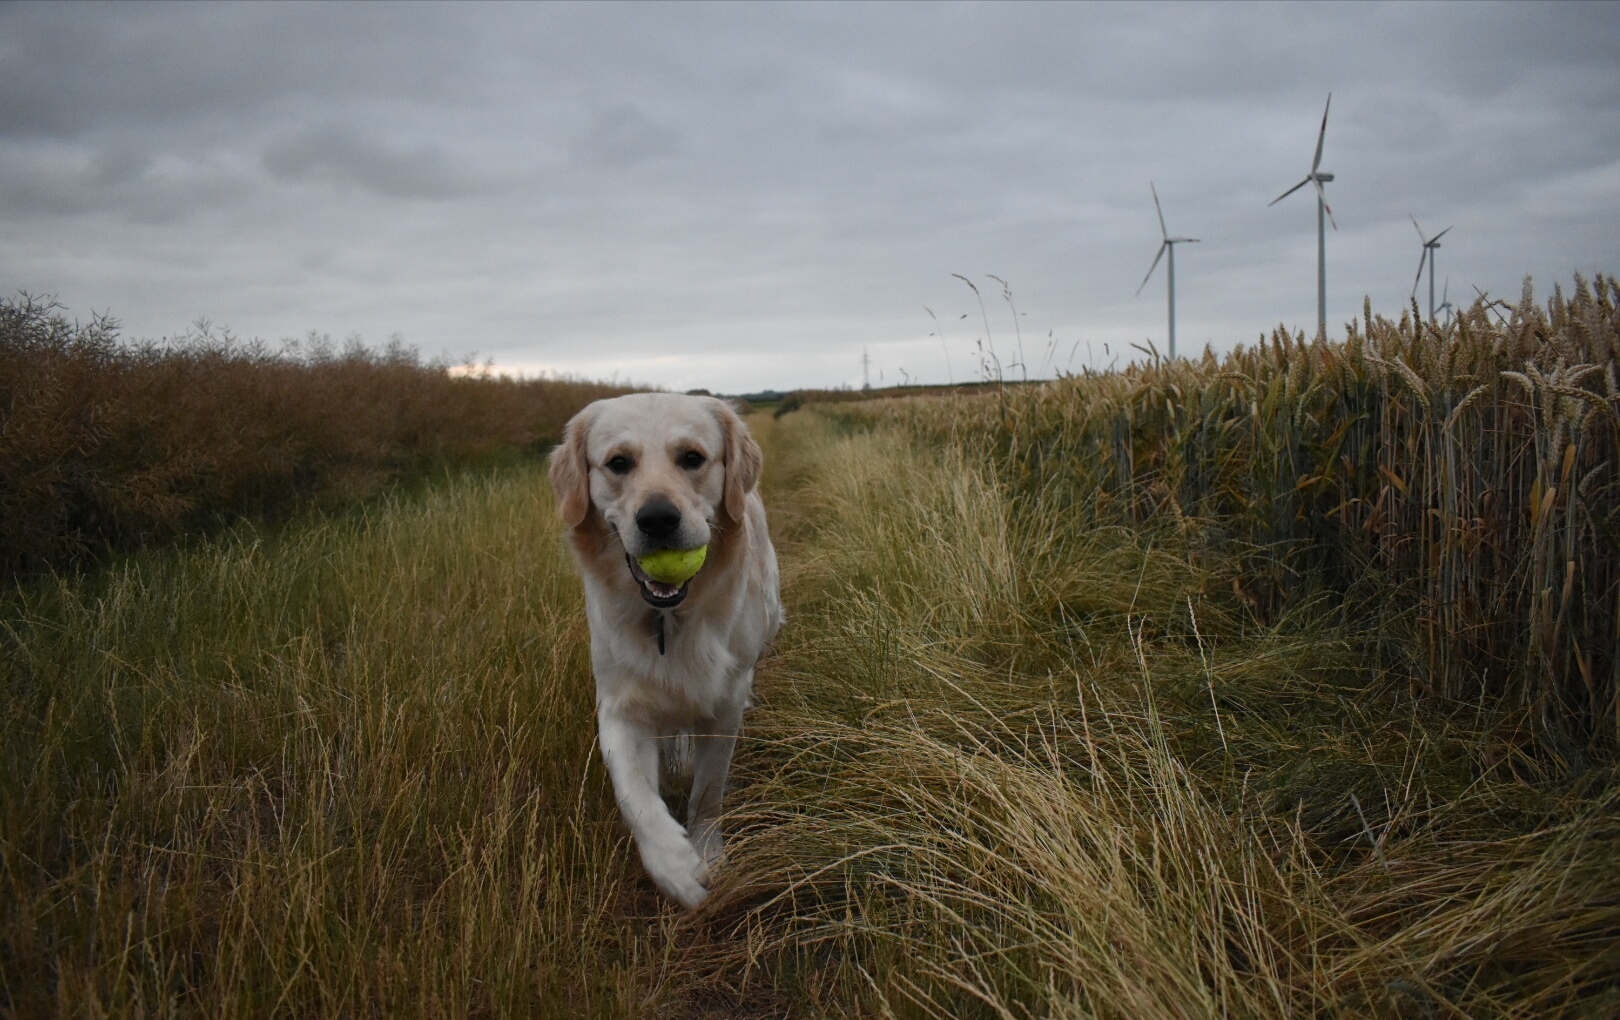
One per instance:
[(622, 136), (335, 154), (128, 183), (743, 196), (66, 69)]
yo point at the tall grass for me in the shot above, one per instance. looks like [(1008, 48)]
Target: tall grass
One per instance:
[(1125, 697), (106, 444), (344, 770), (1466, 473), (1016, 763)]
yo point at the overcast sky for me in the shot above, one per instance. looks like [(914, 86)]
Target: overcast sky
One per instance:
[(747, 196)]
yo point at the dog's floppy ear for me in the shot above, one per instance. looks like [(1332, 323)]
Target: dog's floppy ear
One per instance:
[(570, 473), (744, 461)]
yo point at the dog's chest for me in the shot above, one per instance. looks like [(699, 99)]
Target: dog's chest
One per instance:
[(697, 676)]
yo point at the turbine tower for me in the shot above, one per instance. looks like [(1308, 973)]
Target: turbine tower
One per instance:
[(1430, 246), (1445, 304), (1318, 178), (1168, 244)]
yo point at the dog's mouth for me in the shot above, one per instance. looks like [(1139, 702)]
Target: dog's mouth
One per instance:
[(657, 594)]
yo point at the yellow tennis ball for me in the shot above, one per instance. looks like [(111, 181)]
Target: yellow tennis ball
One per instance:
[(673, 566)]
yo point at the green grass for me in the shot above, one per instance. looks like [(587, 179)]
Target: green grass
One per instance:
[(343, 769)]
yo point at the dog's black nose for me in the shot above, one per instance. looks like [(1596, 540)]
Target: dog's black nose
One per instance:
[(658, 518)]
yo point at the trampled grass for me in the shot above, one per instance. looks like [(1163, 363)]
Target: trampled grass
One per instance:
[(1014, 765)]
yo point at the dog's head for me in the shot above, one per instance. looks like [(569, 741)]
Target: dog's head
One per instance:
[(657, 470)]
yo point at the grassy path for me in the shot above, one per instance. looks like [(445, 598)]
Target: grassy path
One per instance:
[(1001, 766), (345, 768)]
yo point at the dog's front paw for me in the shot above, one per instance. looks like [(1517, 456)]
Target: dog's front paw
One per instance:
[(674, 865), (710, 845)]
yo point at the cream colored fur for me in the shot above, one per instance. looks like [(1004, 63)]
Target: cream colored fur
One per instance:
[(703, 681)]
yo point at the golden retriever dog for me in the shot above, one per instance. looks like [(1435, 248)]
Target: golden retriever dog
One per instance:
[(635, 475)]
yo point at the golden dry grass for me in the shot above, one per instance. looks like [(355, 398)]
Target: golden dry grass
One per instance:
[(343, 769), (1080, 712), (1014, 766), (106, 444), (1463, 476)]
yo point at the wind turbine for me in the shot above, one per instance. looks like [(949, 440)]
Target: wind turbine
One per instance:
[(1430, 246), (1445, 304), (1318, 178), (1168, 244)]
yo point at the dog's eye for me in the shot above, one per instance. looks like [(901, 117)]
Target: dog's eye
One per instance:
[(691, 460), (620, 464)]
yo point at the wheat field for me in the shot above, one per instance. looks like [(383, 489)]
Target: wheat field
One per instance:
[(1006, 769)]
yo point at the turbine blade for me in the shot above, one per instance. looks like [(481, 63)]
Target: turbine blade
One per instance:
[(1419, 278), (1154, 266), (1419, 229), (1163, 231), (1322, 135), (1438, 236), (1323, 196), (1290, 191)]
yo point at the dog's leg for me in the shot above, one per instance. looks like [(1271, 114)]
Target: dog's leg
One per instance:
[(631, 753), (711, 761)]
